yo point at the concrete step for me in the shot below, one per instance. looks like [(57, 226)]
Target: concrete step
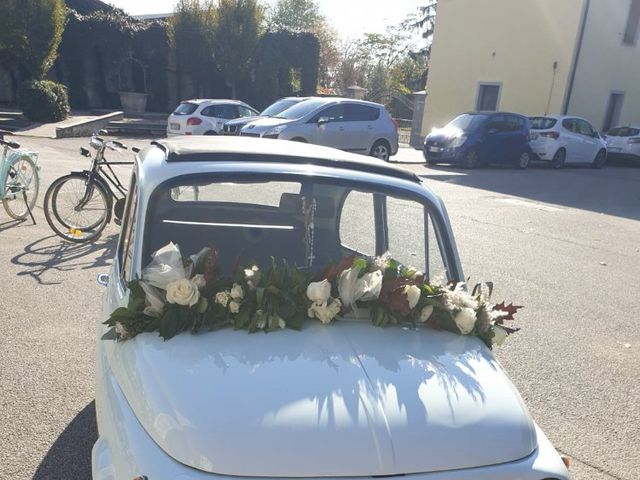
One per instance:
[(138, 126)]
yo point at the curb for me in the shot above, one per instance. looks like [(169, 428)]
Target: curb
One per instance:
[(82, 128)]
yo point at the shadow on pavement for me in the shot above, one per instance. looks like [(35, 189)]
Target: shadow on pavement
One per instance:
[(611, 191), (50, 254), (70, 455)]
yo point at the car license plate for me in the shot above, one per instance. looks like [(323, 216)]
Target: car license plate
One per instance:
[(434, 149), (175, 126)]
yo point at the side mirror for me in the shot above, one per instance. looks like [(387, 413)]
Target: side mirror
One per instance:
[(595, 135), (323, 120), (103, 279)]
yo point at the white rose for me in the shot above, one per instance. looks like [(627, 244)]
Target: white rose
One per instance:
[(183, 292), (121, 331), (413, 295), (426, 313), (236, 292), (222, 298), (465, 320), (499, 335), (199, 281), (325, 312), (234, 307), (319, 292)]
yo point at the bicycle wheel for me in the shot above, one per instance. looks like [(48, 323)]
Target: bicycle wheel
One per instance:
[(76, 209), (21, 179)]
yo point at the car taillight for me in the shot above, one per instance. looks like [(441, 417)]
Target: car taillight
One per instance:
[(194, 121), (395, 123), (554, 135), (634, 140)]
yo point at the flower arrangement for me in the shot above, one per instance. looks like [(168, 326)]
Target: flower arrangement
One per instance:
[(177, 294)]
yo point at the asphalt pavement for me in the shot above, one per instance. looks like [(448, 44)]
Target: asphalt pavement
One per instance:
[(566, 244)]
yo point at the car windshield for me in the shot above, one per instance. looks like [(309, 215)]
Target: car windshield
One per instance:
[(467, 122), (623, 132), (301, 109), (185, 108), (310, 224), (279, 107), (542, 123)]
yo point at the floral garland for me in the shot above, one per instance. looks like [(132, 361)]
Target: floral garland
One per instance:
[(177, 294)]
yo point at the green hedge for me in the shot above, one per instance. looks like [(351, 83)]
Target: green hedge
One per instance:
[(43, 100)]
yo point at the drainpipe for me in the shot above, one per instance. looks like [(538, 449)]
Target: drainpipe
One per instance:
[(576, 58)]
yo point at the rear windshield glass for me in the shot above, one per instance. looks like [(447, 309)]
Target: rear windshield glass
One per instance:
[(467, 122), (185, 108), (308, 223), (542, 123), (279, 107), (623, 132)]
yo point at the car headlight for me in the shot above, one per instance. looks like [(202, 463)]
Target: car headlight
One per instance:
[(458, 141), (276, 130)]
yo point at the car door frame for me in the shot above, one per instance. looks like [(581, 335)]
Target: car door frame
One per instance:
[(591, 145), (332, 132), (493, 146), (360, 132), (573, 141)]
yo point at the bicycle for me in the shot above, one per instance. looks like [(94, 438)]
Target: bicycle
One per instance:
[(78, 206), (19, 179)]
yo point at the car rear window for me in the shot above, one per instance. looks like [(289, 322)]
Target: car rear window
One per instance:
[(362, 113), (623, 132), (542, 123), (185, 108)]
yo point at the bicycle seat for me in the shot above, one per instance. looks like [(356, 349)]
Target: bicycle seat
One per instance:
[(10, 144)]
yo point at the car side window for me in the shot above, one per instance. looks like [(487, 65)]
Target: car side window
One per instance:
[(228, 112), (512, 124), (361, 113), (584, 128), (357, 219), (497, 123), (335, 113), (246, 112), (127, 235), (569, 124)]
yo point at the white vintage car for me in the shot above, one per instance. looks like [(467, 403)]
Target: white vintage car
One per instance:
[(316, 391)]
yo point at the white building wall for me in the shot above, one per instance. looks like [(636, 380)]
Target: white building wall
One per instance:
[(605, 65)]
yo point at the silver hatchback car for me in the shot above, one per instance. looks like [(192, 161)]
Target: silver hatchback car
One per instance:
[(347, 124)]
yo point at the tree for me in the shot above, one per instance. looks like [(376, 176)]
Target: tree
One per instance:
[(424, 22), (295, 16), (30, 34), (191, 36), (301, 16), (235, 40)]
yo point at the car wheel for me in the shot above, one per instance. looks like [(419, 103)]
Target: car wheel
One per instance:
[(600, 159), (559, 158), (431, 161), (524, 160), (381, 150), (211, 132), (299, 139), (470, 160)]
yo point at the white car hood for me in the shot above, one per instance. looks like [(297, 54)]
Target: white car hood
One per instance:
[(344, 400), (265, 124)]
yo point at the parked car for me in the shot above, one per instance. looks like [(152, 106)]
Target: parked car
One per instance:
[(233, 127), (206, 116), (352, 125), (219, 404), (624, 141), (561, 140), (480, 138)]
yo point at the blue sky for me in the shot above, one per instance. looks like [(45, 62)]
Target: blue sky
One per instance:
[(351, 18)]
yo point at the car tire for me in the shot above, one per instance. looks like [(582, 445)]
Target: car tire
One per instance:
[(559, 158), (600, 160), (431, 161), (211, 133), (523, 161), (381, 150), (470, 160), (299, 139)]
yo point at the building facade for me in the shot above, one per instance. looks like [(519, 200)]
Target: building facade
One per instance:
[(536, 57)]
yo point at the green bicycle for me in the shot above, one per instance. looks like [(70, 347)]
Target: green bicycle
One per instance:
[(19, 179)]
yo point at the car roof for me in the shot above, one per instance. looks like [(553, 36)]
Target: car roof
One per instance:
[(213, 149), (213, 101), (492, 112), (345, 100)]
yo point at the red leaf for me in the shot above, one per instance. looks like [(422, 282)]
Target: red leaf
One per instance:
[(332, 271), (509, 310)]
